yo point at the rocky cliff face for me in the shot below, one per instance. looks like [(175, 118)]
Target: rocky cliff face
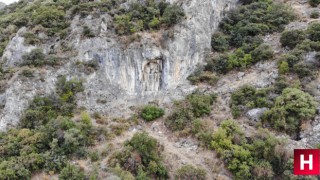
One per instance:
[(154, 69)]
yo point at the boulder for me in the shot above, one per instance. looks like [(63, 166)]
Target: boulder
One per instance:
[(255, 114)]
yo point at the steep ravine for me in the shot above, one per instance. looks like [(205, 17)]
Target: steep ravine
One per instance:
[(128, 75)]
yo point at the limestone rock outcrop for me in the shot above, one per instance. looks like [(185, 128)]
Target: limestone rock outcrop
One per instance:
[(152, 69)]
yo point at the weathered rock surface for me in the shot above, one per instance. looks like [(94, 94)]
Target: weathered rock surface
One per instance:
[(128, 75), (255, 114), (311, 136)]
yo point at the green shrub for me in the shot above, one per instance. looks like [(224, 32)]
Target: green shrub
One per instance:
[(27, 72), (290, 109), (248, 97), (314, 32), (201, 104), (31, 38), (195, 105), (292, 38), (66, 89), (203, 77), (13, 170), (180, 118), (239, 59), (219, 64), (257, 18), (291, 59), (307, 46), (283, 67), (262, 53), (303, 70), (122, 173), (314, 3), (94, 156), (86, 32), (35, 57), (230, 143), (314, 15), (124, 26), (191, 173), (263, 157), (71, 173), (145, 16), (141, 154), (51, 18), (172, 14), (280, 84), (43, 109), (150, 113), (155, 23), (219, 42)]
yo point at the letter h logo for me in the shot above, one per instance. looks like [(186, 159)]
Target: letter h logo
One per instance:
[(306, 162)]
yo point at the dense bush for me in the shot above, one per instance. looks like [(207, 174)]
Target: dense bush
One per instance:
[(291, 38), (257, 18), (150, 113), (43, 109), (314, 3), (290, 110), (283, 67), (248, 97), (261, 53), (242, 28), (314, 14), (303, 70), (31, 39), (219, 42), (45, 139), (195, 105), (87, 32), (35, 57), (146, 16), (71, 172), (261, 158), (50, 17), (314, 32), (240, 58), (142, 157), (180, 118), (200, 76), (201, 104), (172, 14), (293, 61), (191, 173), (66, 89)]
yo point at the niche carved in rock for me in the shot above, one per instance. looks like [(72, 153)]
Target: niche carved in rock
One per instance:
[(152, 75)]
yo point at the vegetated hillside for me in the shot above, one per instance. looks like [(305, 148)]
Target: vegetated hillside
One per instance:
[(257, 93)]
